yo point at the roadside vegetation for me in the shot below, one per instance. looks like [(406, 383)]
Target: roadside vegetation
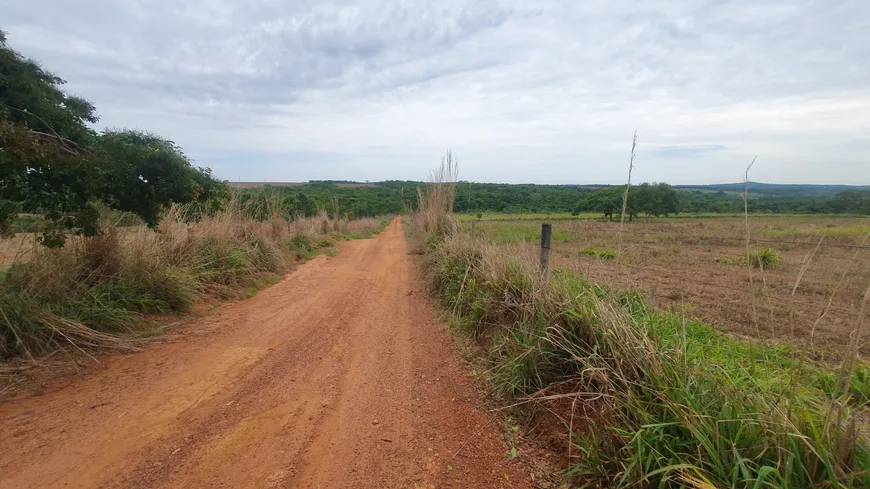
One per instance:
[(96, 291), (98, 230), (652, 398)]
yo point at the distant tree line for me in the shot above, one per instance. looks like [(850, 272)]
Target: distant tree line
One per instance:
[(656, 199), (844, 202), (52, 163), (647, 199)]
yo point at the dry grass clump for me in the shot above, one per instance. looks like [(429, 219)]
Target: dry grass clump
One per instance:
[(435, 202), (95, 291), (661, 401)]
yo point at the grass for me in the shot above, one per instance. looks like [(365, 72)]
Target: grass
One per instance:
[(664, 400), (766, 259), (585, 216), (830, 230), (604, 254), (504, 233), (674, 263), (669, 402), (549, 216), (96, 291)]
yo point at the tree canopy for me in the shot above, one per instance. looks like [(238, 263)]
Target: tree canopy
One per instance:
[(651, 199), (53, 163)]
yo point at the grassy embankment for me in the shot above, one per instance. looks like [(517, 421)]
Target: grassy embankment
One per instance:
[(653, 399), (96, 291)]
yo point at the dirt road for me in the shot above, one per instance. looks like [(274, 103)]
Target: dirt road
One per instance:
[(337, 377)]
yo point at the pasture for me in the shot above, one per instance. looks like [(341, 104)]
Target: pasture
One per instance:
[(808, 290)]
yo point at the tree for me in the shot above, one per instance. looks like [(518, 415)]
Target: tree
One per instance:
[(53, 163), (657, 199), (852, 201), (607, 201), (142, 173)]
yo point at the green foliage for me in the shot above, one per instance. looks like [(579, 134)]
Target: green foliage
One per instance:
[(27, 223), (539, 201), (606, 201), (797, 202), (657, 199), (307, 200), (604, 254), (79, 296), (143, 173), (53, 164), (96, 291), (304, 247), (766, 259), (671, 402)]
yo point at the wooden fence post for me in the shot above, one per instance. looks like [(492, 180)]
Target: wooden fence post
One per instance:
[(546, 234), (473, 225)]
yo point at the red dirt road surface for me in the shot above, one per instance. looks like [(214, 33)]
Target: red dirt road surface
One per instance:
[(337, 377)]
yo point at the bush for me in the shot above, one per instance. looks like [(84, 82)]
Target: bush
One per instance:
[(766, 259), (596, 253), (95, 291), (28, 223)]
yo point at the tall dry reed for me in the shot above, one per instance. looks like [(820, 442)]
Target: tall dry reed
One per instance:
[(435, 202)]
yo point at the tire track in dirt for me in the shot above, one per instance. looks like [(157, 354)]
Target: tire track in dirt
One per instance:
[(337, 377)]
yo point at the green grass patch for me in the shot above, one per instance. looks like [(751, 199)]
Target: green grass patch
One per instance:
[(518, 232), (604, 254)]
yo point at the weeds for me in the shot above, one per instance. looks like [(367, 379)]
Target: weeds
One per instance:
[(95, 291), (669, 402), (766, 259), (604, 254), (435, 202)]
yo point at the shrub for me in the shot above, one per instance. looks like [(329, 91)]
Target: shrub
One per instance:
[(766, 259), (605, 254), (95, 291)]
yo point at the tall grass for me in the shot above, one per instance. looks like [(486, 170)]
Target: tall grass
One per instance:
[(95, 291), (435, 202), (664, 401)]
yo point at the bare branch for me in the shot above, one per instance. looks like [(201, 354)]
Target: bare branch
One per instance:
[(63, 141)]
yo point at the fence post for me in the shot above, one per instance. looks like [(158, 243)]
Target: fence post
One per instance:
[(546, 234)]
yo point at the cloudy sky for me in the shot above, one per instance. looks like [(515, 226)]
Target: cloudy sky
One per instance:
[(545, 91)]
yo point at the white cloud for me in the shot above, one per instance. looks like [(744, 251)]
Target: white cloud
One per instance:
[(297, 90)]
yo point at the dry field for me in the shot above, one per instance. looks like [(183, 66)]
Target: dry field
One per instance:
[(293, 184), (698, 266)]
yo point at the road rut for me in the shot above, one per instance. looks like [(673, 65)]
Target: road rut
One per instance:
[(337, 377)]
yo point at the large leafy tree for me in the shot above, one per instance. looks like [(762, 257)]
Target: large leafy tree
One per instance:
[(141, 173), (656, 199), (53, 163), (607, 201)]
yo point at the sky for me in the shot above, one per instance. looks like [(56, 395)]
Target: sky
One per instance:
[(544, 91)]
